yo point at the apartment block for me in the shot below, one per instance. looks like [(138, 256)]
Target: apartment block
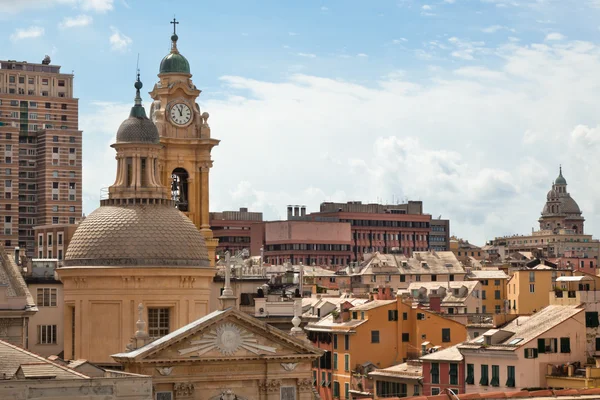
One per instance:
[(238, 230), (40, 151)]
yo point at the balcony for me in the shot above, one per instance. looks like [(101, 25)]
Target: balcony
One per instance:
[(573, 376)]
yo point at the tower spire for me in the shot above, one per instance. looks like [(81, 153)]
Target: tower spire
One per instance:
[(174, 36), (138, 110)]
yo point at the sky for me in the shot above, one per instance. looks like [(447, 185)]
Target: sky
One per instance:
[(467, 105)]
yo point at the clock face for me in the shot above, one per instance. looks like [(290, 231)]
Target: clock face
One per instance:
[(180, 114)]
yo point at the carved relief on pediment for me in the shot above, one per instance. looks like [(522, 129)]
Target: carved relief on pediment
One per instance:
[(227, 339)]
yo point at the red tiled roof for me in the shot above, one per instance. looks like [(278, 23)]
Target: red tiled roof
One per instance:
[(508, 395)]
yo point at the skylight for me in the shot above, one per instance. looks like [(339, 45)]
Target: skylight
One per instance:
[(515, 341)]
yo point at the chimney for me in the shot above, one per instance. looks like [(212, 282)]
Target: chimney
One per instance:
[(303, 211), (345, 314), (435, 303), (289, 212), (296, 211)]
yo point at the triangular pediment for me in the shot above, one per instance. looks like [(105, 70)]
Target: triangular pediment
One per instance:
[(220, 336)]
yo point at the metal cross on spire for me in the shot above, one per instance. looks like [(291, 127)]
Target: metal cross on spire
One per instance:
[(174, 22)]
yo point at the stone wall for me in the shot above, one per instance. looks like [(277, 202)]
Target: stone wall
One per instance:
[(131, 388)]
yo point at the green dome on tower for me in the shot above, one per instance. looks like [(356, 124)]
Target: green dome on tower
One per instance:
[(174, 62), (561, 179)]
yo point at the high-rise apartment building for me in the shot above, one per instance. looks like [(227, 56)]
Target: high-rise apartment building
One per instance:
[(40, 151)]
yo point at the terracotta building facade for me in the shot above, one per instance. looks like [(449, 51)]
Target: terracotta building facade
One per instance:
[(40, 151)]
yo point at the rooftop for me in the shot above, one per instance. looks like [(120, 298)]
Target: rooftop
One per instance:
[(409, 370), (487, 274), (448, 354), (526, 328)]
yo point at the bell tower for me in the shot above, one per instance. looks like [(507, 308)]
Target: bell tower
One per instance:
[(185, 160)]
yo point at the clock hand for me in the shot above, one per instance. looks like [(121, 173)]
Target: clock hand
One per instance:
[(180, 111)]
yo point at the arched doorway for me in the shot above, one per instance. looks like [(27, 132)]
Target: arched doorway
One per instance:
[(179, 188)]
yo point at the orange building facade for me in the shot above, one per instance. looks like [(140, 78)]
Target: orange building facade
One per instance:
[(371, 336)]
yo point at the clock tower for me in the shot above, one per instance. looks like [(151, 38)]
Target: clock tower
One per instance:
[(185, 161)]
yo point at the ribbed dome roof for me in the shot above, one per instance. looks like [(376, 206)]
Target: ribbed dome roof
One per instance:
[(155, 235), (174, 63), (569, 206), (138, 130)]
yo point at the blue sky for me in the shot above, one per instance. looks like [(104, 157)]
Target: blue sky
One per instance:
[(469, 106)]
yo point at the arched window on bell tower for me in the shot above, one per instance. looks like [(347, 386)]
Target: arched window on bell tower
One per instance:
[(179, 188)]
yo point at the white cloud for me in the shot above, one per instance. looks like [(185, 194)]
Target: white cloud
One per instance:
[(362, 55), (118, 41), (398, 41), (324, 8), (467, 142), (16, 6), (27, 33), (449, 1), (496, 28), (307, 55), (292, 34), (97, 5), (426, 7), (555, 36), (78, 21)]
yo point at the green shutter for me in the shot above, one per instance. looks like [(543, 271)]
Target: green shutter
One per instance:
[(565, 345), (470, 374), (591, 319), (541, 346), (484, 375), (335, 365), (495, 375), (510, 372)]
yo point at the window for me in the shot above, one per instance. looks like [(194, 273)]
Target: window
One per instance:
[(402, 278), (435, 391), (346, 390), (497, 294), (392, 315), (483, 381), (435, 373), (451, 277), (354, 314), (433, 278), (497, 282), (71, 220), (531, 276), (362, 315), (158, 322), (591, 319), (495, 375), (510, 376), (288, 393), (416, 390), (46, 334), (335, 361), (336, 389), (374, 336), (445, 335), (565, 345), (531, 353), (335, 339), (405, 337), (420, 316), (71, 139), (55, 220), (346, 342), (531, 288), (548, 345), (454, 374), (598, 344), (470, 374), (346, 362), (46, 297), (497, 309)]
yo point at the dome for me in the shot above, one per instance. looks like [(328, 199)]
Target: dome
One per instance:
[(569, 206), (174, 63), (137, 130), (140, 235), (561, 179)]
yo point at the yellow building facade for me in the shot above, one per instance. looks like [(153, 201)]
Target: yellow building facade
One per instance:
[(381, 333), (528, 289), (186, 141)]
